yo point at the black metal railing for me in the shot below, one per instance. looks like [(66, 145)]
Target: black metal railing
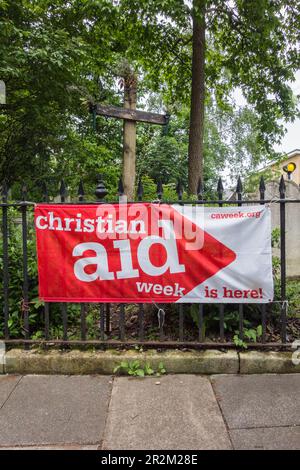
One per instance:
[(111, 319)]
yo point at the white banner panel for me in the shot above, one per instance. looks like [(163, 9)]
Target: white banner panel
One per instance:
[(246, 231)]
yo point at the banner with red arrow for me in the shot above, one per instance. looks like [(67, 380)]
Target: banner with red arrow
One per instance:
[(133, 253)]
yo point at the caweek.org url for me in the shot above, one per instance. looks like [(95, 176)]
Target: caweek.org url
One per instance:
[(235, 215)]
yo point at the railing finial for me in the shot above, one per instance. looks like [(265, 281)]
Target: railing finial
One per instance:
[(282, 187), (120, 187), (179, 189), (101, 190), (80, 192), (159, 189), (239, 186), (200, 189), (140, 190)]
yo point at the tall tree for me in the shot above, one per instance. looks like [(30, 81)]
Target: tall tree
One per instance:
[(196, 131), (250, 44), (129, 130)]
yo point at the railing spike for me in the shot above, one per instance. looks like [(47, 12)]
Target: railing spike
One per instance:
[(179, 189), (200, 189), (159, 189), (80, 192), (220, 187), (63, 188), (101, 190), (24, 192), (282, 186), (140, 190), (239, 186), (4, 191), (262, 186), (44, 191), (120, 187)]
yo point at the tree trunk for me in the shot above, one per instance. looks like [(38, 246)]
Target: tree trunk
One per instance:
[(129, 137), (196, 134)]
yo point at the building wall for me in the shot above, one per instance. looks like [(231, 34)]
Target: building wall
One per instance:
[(292, 224), (295, 177)]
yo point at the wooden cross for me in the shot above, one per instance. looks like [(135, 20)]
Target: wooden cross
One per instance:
[(130, 116)]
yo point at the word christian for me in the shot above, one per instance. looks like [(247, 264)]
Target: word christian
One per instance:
[(133, 222)]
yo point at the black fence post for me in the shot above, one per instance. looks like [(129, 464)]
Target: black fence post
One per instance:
[(5, 259), (262, 191), (64, 310), (25, 306), (220, 190), (282, 189), (80, 195), (45, 198), (239, 192), (200, 196)]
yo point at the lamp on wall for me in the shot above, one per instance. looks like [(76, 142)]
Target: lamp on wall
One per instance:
[(289, 169)]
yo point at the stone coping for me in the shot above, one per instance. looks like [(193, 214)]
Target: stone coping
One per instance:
[(206, 362)]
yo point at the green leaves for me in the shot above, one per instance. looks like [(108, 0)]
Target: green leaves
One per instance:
[(52, 55), (161, 369), (136, 369), (251, 334)]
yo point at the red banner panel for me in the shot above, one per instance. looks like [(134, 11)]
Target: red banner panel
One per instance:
[(124, 253)]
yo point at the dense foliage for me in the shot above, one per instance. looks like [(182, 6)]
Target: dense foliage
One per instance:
[(56, 56)]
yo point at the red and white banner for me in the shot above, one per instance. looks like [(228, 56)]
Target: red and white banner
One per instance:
[(153, 253)]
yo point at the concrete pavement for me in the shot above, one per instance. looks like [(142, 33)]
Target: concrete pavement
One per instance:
[(169, 412)]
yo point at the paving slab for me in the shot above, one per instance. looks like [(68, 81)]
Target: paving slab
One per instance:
[(55, 447), (2, 357), (172, 412), (281, 438), (7, 385), (253, 401), (47, 410)]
